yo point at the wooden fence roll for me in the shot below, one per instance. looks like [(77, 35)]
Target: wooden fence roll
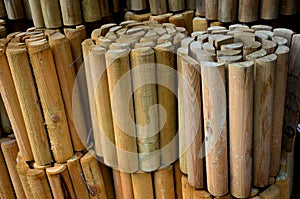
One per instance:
[(10, 151), (211, 9), (241, 86), (200, 8), (51, 100), (227, 11), (288, 7), (158, 7), (51, 13), (37, 180), (176, 5), (248, 10), (263, 118), (214, 113), (37, 15), (164, 183), (269, 9), (14, 9), (136, 5), (71, 12), (142, 185)]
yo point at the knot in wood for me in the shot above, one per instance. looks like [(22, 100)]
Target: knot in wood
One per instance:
[(55, 117)]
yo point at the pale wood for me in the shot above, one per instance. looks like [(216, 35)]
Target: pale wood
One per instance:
[(163, 18), (60, 182), (200, 24), (52, 103), (200, 55), (22, 168), (223, 40), (271, 192), (177, 178), (142, 185), (214, 113), (141, 17), (288, 7), (187, 190), (211, 9), (127, 187), (177, 20), (201, 194), (71, 12), (118, 184), (263, 118), (286, 33), (282, 53), (262, 27), (27, 94), (269, 46), (252, 48), (136, 5), (102, 105), (241, 86), (164, 183), (283, 184), (237, 27), (244, 37), (91, 10), (150, 44), (188, 20), (176, 5), (269, 9), (227, 11), (93, 176), (200, 8), (248, 10), (103, 42), (166, 90), (14, 9), (75, 171), (221, 53), (230, 59), (145, 98), (215, 23), (256, 55), (280, 40), (158, 7), (118, 64), (254, 192), (66, 76), (10, 151), (51, 13)]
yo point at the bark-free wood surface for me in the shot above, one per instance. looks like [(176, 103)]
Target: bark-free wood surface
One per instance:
[(51, 13), (248, 10), (71, 12), (142, 185), (164, 183)]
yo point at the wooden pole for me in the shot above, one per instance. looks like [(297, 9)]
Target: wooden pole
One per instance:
[(104, 8), (177, 179), (282, 53), (51, 13), (200, 8), (200, 24), (176, 5), (286, 33), (51, 100), (127, 186), (91, 10), (2, 10), (269, 9), (21, 72), (5, 123), (283, 184), (75, 171), (164, 183), (211, 9), (71, 12), (27, 9), (14, 9), (146, 111), (142, 185), (214, 112), (118, 66), (177, 20), (37, 15), (227, 11), (270, 192), (248, 10), (187, 190), (37, 180), (188, 20), (118, 184), (22, 168), (10, 151), (288, 7), (201, 194), (263, 118), (136, 5), (241, 86), (158, 7)]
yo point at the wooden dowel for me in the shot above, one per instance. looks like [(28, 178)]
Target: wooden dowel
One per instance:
[(146, 111), (177, 180), (51, 13), (200, 24), (104, 8), (75, 171), (82, 30), (200, 8), (269, 9), (280, 40), (227, 11), (251, 48), (10, 151), (60, 181), (27, 9), (118, 65), (127, 187), (241, 86), (91, 10), (221, 53), (163, 18), (248, 10), (286, 33), (22, 168), (118, 184), (136, 5), (164, 183), (51, 100), (177, 20), (14, 9), (158, 7), (263, 118), (283, 184), (21, 72), (269, 46), (214, 112), (176, 5), (187, 190), (201, 194), (188, 20), (108, 181), (211, 9), (37, 15), (2, 10), (190, 5), (37, 180), (93, 176), (71, 12), (288, 7), (271, 192), (142, 185), (166, 78), (5, 123)]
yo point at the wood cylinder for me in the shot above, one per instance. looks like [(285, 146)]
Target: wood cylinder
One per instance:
[(127, 186), (288, 7), (22, 168), (271, 192), (14, 9), (241, 85), (158, 7), (201, 194), (187, 190), (37, 180), (142, 185), (200, 24), (188, 20), (248, 10), (27, 9), (215, 114), (176, 5), (269, 9), (104, 8), (2, 10), (91, 10), (164, 183), (120, 90), (51, 100), (37, 15), (146, 110), (283, 184), (177, 180), (51, 13), (286, 33), (10, 151), (177, 20), (118, 184), (263, 118), (136, 5), (227, 11), (211, 9), (200, 8), (5, 123), (71, 12)]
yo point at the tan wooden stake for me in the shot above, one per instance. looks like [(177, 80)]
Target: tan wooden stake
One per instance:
[(288, 7), (187, 190), (118, 184), (176, 5), (127, 187), (286, 33), (91, 10), (51, 13), (36, 11), (200, 24), (22, 168), (136, 5), (188, 20), (211, 9), (177, 179), (142, 185), (158, 7), (271, 192), (248, 10), (164, 183), (269, 9), (227, 11), (39, 186), (283, 184), (71, 12), (200, 8), (14, 9), (201, 194)]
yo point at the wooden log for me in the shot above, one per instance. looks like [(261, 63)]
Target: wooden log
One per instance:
[(124, 128), (214, 112), (14, 9), (164, 183), (187, 190), (158, 7), (282, 53), (75, 171), (150, 44), (271, 192), (82, 30), (269, 9), (2, 10), (288, 7), (176, 5), (10, 151), (188, 20), (248, 11), (263, 118), (60, 181), (211, 9), (241, 86), (142, 185), (251, 48), (283, 184), (51, 13), (51, 100), (37, 180), (177, 180), (190, 5), (22, 168), (27, 9), (200, 8), (21, 72), (93, 176), (145, 98), (230, 59), (71, 12), (127, 186), (91, 10), (163, 18), (221, 53), (286, 33), (223, 40), (201, 194), (280, 40), (118, 184), (66, 76), (200, 24), (104, 8), (166, 89), (269, 46), (227, 11), (177, 20), (136, 5)]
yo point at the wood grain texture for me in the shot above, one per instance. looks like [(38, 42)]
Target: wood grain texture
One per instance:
[(91, 10), (37, 15), (142, 185), (241, 86), (71, 12), (158, 7), (283, 184), (176, 5), (187, 190), (164, 183), (190, 4), (269, 9), (200, 24), (51, 13), (136, 5), (22, 168), (177, 180), (118, 184), (38, 182), (14, 9), (227, 11), (188, 20), (263, 118), (248, 10), (211, 9), (270, 192), (215, 114), (201, 194), (127, 186), (286, 33)]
